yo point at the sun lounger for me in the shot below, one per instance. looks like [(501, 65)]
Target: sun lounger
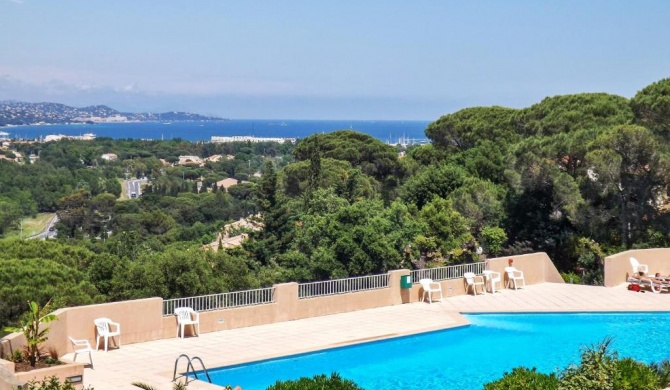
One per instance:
[(655, 285)]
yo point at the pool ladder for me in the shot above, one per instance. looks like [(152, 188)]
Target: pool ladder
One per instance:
[(189, 368)]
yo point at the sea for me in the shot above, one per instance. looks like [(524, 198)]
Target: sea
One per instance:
[(392, 132)]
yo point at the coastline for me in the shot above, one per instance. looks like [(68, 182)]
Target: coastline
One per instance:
[(202, 131)]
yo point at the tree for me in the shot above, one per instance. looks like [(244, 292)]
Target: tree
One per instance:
[(629, 171), (449, 228), (493, 239), (543, 204), (569, 113), (481, 201), (432, 181), (40, 280), (298, 176), (372, 156), (315, 172), (31, 330), (468, 127), (101, 212), (10, 214), (266, 192), (651, 106), (73, 211)]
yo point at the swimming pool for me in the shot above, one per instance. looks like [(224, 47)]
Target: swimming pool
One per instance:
[(467, 357)]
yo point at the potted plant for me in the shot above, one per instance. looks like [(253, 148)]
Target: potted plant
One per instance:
[(31, 330)]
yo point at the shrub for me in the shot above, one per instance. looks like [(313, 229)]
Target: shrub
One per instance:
[(597, 370), (318, 382), (635, 375), (522, 378), (51, 383), (571, 277), (662, 371), (17, 356)]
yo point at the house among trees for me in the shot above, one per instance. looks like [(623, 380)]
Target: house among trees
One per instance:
[(226, 183), (109, 157), (233, 234), (12, 156), (214, 158), (190, 160)]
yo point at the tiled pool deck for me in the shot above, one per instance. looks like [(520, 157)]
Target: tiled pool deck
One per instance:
[(153, 362)]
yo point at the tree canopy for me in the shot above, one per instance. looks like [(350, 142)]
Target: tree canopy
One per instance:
[(577, 176)]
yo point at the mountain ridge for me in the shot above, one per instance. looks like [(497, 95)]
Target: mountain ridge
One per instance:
[(14, 112)]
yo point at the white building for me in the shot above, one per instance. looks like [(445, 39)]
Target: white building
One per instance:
[(248, 138)]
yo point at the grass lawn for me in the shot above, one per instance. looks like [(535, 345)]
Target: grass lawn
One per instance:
[(31, 226), (124, 193)]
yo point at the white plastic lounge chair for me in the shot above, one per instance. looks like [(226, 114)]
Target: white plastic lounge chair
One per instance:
[(430, 287), (104, 329), (81, 346), (659, 286), (514, 276), (472, 281), (187, 316), (637, 267), (492, 278), (656, 285)]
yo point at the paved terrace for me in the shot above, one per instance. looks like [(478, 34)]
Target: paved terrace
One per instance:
[(153, 362)]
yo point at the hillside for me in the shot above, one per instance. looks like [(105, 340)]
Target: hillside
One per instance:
[(22, 113)]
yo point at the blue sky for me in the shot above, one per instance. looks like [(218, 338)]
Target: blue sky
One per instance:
[(345, 59)]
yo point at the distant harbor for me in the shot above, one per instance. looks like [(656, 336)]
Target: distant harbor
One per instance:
[(406, 141)]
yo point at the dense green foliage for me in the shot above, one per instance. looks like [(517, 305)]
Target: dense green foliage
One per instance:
[(599, 369), (577, 176), (51, 383), (318, 382), (522, 378)]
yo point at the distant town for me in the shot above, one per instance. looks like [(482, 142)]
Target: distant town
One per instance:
[(16, 113)]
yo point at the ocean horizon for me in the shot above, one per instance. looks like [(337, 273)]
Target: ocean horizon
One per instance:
[(387, 131)]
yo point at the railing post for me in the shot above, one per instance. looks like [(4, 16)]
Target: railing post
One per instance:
[(286, 299)]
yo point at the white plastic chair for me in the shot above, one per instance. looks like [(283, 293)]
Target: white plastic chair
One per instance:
[(187, 316), (430, 287), (104, 329), (492, 278), (472, 281), (514, 276), (81, 346), (637, 267)]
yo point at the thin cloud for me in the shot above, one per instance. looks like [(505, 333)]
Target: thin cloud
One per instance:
[(16, 1)]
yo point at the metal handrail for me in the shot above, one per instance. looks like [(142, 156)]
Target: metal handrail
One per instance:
[(220, 301), (190, 368), (342, 286), (448, 272)]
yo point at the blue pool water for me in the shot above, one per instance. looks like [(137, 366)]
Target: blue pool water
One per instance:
[(467, 357)]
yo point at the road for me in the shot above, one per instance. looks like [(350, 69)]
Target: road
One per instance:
[(134, 187), (48, 232)]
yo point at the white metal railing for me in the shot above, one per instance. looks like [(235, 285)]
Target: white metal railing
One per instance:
[(221, 301), (448, 272), (342, 286)]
